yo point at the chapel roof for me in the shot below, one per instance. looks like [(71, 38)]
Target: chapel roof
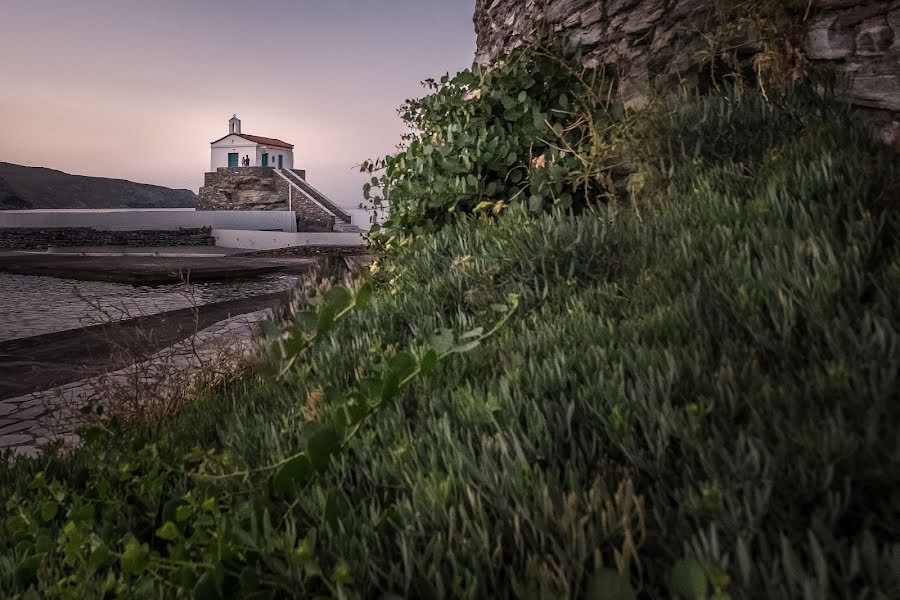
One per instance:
[(256, 139)]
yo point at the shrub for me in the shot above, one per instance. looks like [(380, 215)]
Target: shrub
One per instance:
[(535, 131)]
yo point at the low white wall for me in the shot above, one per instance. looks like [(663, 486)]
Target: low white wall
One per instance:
[(362, 218), (163, 219), (273, 240)]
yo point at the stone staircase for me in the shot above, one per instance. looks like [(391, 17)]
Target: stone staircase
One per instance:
[(340, 214)]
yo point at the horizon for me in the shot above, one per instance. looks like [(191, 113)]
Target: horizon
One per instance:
[(138, 92)]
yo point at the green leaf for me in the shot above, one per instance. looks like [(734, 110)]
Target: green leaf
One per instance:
[(49, 510), (305, 322), (403, 364), (363, 295), (295, 472), (467, 347), (169, 531), (135, 557), (322, 445), (474, 333), (390, 386), (82, 513), (607, 584), (428, 362), (535, 203), (441, 341), (688, 580), (523, 96), (339, 298), (325, 319), (341, 573)]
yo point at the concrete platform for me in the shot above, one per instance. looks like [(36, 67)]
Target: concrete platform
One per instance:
[(135, 269)]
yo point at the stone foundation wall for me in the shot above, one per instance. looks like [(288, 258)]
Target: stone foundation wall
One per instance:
[(41, 239), (260, 188), (245, 188), (650, 44)]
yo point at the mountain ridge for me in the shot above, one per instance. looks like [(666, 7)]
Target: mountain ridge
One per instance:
[(26, 187)]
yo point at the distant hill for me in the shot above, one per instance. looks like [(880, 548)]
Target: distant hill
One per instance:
[(39, 187)]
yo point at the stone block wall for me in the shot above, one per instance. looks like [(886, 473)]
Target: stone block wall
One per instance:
[(862, 39), (648, 44), (245, 188), (41, 239), (309, 216)]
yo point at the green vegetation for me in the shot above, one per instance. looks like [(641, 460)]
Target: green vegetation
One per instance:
[(688, 389), (537, 132)]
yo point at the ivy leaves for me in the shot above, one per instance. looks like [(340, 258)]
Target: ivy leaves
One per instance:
[(475, 140)]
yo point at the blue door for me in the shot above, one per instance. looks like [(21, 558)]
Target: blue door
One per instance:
[(265, 159), (280, 161), (232, 160)]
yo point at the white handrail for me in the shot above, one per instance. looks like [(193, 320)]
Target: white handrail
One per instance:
[(313, 188), (302, 191)]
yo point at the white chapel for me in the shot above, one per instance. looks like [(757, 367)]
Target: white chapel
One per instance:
[(244, 150)]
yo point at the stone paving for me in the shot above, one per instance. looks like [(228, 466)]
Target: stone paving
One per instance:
[(28, 423)]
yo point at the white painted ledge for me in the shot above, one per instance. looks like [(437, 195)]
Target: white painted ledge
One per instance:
[(275, 240)]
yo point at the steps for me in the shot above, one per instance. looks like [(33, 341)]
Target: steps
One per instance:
[(319, 197)]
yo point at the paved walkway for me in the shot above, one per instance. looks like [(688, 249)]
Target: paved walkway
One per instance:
[(136, 269), (29, 422), (193, 251), (41, 362)]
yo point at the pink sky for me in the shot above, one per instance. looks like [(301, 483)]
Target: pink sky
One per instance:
[(136, 90)]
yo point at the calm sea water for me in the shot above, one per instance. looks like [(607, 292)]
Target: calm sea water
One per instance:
[(32, 305)]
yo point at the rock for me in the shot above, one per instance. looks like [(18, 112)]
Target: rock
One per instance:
[(876, 39), (825, 42), (649, 44)]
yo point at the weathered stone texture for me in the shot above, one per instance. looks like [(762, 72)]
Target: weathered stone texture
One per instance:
[(260, 188), (648, 44), (245, 188), (41, 239)]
